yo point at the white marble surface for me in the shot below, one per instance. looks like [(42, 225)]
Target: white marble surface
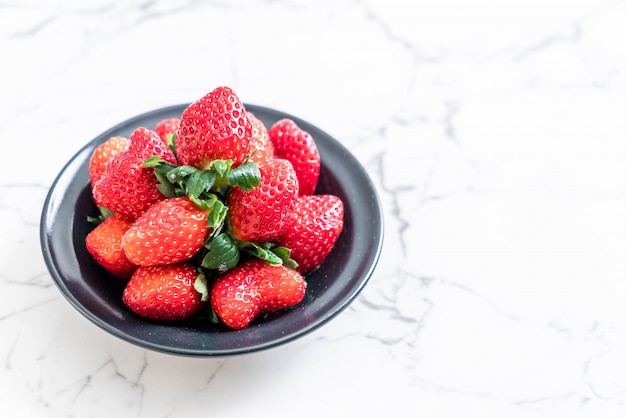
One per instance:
[(493, 130)]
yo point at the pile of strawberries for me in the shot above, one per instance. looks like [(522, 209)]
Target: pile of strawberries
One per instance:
[(211, 212)]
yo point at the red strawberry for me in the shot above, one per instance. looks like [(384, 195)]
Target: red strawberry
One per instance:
[(167, 129), (235, 298), (261, 148), (259, 215), (169, 231), (125, 186), (279, 286), (297, 146), (103, 154), (164, 293), (253, 287), (104, 243), (216, 127), (312, 230)]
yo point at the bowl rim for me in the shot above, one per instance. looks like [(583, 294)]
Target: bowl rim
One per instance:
[(65, 179)]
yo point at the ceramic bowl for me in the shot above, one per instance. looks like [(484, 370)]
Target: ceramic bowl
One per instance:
[(97, 295)]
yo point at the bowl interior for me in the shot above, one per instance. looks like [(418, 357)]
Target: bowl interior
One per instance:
[(97, 294)]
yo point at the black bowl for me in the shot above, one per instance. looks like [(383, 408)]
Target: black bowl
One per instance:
[(98, 295)]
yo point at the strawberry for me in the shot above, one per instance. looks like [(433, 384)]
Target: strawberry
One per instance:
[(312, 230), (127, 187), (167, 129), (216, 127), (235, 298), (259, 214), (104, 243), (280, 287), (164, 293), (253, 287), (298, 146), (169, 231), (103, 154), (261, 148)]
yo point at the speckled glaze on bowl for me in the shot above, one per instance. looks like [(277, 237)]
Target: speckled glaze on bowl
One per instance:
[(97, 295)]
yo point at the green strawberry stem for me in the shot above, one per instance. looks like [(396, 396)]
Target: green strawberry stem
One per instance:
[(222, 254), (285, 254), (178, 180), (272, 255), (103, 214), (201, 286), (246, 176), (170, 140), (261, 251)]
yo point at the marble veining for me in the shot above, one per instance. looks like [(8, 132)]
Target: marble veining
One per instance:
[(493, 131)]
